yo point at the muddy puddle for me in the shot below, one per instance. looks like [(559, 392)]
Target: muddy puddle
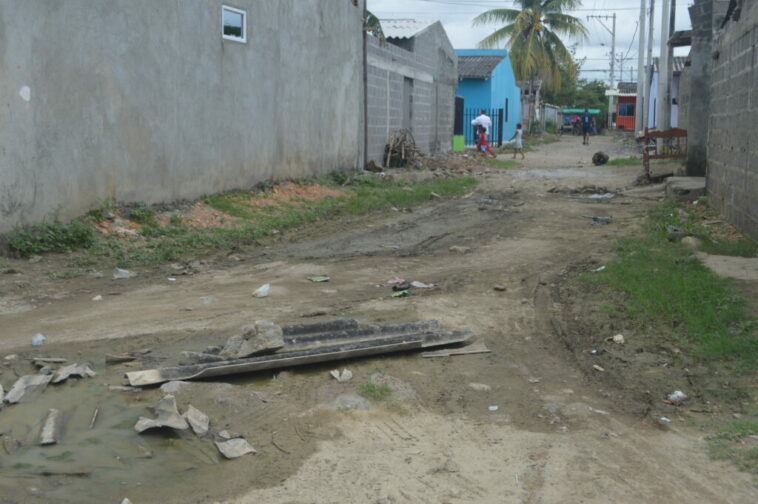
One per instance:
[(108, 460)]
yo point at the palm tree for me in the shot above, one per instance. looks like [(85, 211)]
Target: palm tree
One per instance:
[(532, 33)]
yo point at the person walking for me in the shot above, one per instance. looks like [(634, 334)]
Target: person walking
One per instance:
[(483, 144), (518, 147), (586, 126)]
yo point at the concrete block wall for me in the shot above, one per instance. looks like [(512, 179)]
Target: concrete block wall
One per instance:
[(432, 65), (732, 147), (144, 101)]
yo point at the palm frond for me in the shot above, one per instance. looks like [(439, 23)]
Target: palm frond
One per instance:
[(496, 16)]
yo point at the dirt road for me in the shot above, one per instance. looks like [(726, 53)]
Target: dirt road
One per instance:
[(524, 423)]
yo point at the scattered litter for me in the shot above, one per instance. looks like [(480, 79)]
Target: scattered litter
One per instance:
[(119, 274), (618, 339), (342, 377), (198, 420), (473, 348), (11, 357), (421, 285), (319, 279), (480, 387), (493, 408), (401, 293), (600, 158), (80, 370), (598, 220), (401, 286), (123, 388), (126, 501), (38, 339), (49, 432), (434, 195), (677, 397), (598, 368), (534, 380), (234, 448), (117, 359), (166, 414), (396, 280), (97, 298), (171, 279), (595, 351), (598, 270), (173, 387), (262, 291), (602, 196), (500, 288), (460, 249), (599, 411), (666, 419), (94, 418), (26, 385), (41, 361)]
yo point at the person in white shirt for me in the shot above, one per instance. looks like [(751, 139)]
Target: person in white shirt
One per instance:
[(484, 121)]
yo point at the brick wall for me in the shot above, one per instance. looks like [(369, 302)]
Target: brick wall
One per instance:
[(432, 66), (732, 148)]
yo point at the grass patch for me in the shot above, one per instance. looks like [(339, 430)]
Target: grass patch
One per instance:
[(363, 195), (376, 392), (628, 161), (501, 163), (663, 283), (731, 443), (52, 236), (143, 214)]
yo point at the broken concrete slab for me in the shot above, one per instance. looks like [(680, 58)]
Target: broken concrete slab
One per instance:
[(234, 448), (25, 386), (49, 433), (42, 361), (198, 420), (80, 370), (255, 339), (167, 415), (118, 359), (313, 343), (685, 188)]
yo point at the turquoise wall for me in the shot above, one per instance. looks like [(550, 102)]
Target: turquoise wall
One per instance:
[(499, 91)]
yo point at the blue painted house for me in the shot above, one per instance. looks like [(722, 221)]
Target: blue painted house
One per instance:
[(486, 81)]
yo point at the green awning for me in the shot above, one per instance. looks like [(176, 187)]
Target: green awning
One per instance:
[(592, 111)]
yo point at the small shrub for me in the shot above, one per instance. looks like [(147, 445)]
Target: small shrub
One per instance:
[(104, 209), (374, 391), (143, 214), (52, 237), (339, 177), (176, 219)]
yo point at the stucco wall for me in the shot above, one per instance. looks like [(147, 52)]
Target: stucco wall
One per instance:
[(732, 173), (432, 65), (142, 100)]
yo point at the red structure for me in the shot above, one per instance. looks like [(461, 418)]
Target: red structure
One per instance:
[(625, 103)]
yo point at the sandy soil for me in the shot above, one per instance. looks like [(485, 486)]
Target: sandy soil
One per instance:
[(557, 434)]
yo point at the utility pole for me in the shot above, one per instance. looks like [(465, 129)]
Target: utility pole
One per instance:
[(649, 67), (613, 58), (663, 114), (641, 101)]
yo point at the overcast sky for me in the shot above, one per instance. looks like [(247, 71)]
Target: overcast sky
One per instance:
[(456, 16)]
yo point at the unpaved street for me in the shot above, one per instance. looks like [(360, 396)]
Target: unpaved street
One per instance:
[(525, 423)]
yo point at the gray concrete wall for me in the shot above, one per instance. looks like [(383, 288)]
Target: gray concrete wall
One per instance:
[(142, 100), (732, 176), (433, 66)]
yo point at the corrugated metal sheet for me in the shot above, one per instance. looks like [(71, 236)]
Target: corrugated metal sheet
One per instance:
[(404, 28), (477, 67), (627, 87), (679, 63)]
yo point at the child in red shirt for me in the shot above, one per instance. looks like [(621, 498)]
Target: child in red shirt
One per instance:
[(483, 144)]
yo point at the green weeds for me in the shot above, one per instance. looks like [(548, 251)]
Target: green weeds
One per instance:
[(501, 164), (52, 236), (376, 392), (628, 161)]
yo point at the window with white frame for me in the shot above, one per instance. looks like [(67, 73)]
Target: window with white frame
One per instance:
[(233, 24)]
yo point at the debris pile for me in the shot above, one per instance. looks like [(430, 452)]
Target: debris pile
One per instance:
[(401, 150)]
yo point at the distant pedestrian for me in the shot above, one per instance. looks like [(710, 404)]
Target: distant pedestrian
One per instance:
[(519, 144), (483, 120), (586, 126)]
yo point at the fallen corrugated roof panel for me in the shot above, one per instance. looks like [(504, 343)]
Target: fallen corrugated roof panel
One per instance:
[(314, 343), (477, 67)]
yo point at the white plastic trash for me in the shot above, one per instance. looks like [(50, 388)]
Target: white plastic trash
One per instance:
[(38, 339), (119, 274), (262, 291)]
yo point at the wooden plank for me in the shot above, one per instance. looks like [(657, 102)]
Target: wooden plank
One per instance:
[(474, 348)]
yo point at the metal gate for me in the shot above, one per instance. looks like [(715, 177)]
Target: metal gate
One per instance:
[(495, 135)]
